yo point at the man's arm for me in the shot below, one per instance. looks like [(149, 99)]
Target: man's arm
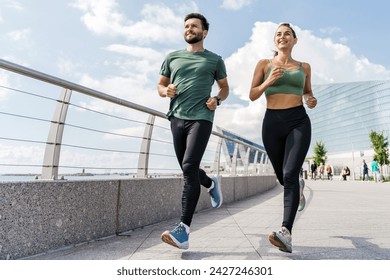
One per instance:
[(165, 88), (223, 93)]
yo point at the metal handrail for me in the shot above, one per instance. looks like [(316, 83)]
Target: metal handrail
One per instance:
[(75, 87)]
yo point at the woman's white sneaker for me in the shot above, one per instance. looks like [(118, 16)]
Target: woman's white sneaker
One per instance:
[(281, 239)]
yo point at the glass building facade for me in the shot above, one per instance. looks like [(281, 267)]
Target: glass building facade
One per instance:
[(229, 147), (345, 115)]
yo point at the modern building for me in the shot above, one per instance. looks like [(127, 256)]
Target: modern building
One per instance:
[(345, 115), (240, 158), (229, 149)]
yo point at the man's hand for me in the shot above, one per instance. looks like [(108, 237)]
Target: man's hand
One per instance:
[(171, 90), (212, 103)]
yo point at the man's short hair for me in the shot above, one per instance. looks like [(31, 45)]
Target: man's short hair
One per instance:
[(205, 23)]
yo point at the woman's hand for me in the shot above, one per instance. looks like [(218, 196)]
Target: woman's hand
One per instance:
[(275, 74), (311, 102)]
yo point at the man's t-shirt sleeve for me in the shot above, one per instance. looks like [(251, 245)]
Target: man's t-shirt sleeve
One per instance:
[(165, 70)]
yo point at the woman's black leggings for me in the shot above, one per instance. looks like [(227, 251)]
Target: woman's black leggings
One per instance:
[(286, 137), (190, 140)]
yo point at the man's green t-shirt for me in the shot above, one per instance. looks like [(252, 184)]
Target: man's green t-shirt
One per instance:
[(193, 74)]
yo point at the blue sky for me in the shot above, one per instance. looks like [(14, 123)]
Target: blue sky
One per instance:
[(117, 46)]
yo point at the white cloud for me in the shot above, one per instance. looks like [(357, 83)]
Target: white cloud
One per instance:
[(19, 35), (103, 18), (100, 16), (98, 160), (133, 131), (13, 5), (19, 155), (244, 120), (135, 51), (66, 66), (241, 64), (138, 88), (330, 30), (235, 4), (137, 63)]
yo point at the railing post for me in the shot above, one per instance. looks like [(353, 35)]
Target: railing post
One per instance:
[(235, 159), (255, 160), (143, 160), (246, 160), (217, 160), (51, 158), (262, 163)]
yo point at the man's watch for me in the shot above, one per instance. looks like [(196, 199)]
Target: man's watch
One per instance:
[(219, 101)]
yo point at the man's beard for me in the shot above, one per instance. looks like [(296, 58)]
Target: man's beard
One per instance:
[(195, 39)]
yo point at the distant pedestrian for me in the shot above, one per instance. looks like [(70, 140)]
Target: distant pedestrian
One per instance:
[(365, 171), (313, 169), (321, 171), (375, 170), (344, 173), (329, 172)]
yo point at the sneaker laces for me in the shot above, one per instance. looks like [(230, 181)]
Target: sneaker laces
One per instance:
[(180, 228), (285, 232)]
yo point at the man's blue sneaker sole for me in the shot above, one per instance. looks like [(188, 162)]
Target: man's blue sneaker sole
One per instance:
[(166, 237)]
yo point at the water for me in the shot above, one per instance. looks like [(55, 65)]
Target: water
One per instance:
[(32, 177), (16, 178)]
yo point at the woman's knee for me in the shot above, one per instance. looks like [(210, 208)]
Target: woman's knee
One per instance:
[(290, 178)]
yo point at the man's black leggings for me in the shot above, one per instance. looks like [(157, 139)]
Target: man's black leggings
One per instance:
[(286, 137), (190, 140)]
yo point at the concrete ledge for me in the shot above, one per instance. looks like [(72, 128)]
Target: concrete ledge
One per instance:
[(39, 216)]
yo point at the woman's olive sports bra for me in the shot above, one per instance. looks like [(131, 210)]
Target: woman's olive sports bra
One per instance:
[(292, 82)]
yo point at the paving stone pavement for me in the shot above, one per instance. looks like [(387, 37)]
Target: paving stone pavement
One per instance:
[(342, 220)]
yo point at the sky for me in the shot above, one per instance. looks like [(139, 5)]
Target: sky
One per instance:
[(118, 46)]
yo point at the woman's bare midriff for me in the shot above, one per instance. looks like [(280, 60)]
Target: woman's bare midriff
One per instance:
[(283, 101)]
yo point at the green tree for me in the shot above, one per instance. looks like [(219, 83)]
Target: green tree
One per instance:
[(319, 153), (380, 144)]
